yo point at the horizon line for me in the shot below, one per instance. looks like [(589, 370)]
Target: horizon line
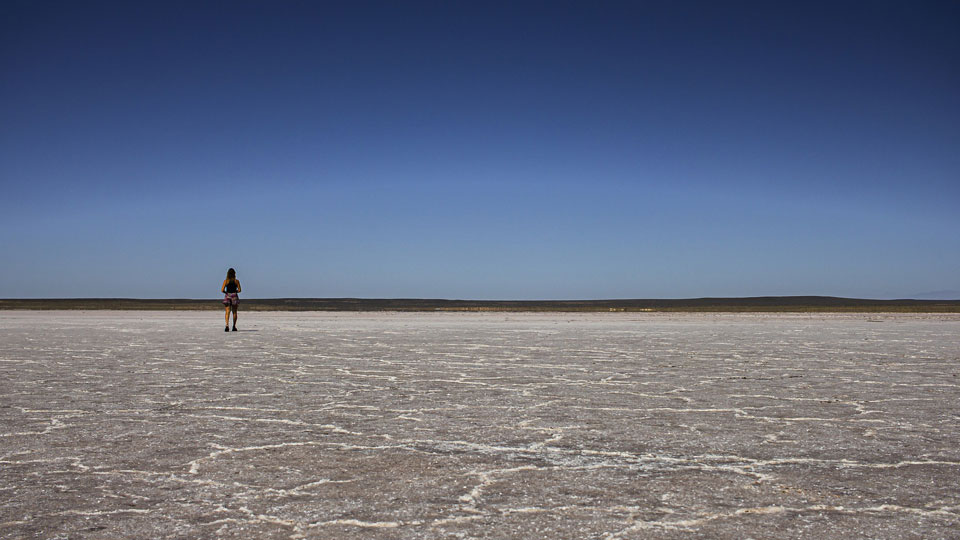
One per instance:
[(541, 300)]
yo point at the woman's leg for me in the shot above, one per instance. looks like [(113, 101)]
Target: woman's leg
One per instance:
[(226, 316), (234, 316)]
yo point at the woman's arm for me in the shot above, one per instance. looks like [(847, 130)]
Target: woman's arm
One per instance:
[(223, 288), (239, 289)]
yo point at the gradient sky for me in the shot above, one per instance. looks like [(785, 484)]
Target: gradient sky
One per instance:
[(515, 150)]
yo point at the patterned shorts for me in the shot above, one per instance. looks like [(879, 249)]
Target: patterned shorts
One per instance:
[(231, 299)]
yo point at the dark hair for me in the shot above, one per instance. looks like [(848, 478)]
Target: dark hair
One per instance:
[(231, 274)]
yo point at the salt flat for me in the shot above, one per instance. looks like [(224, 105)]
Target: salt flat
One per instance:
[(399, 425)]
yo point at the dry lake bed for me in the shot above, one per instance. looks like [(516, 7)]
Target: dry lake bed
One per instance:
[(494, 425)]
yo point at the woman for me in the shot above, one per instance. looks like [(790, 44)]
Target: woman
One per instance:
[(230, 288)]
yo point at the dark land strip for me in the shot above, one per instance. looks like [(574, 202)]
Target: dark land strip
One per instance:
[(749, 304)]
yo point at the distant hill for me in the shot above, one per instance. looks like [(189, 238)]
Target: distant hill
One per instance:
[(949, 294), (758, 304)]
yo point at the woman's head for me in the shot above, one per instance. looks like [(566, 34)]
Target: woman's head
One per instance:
[(231, 274)]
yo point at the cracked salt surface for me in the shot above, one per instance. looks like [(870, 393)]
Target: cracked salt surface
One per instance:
[(389, 425)]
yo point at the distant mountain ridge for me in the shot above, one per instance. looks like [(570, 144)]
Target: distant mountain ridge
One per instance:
[(746, 304), (949, 294)]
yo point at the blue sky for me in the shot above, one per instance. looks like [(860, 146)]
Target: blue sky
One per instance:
[(531, 150)]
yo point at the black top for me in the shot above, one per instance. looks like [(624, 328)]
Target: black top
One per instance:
[(232, 286)]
